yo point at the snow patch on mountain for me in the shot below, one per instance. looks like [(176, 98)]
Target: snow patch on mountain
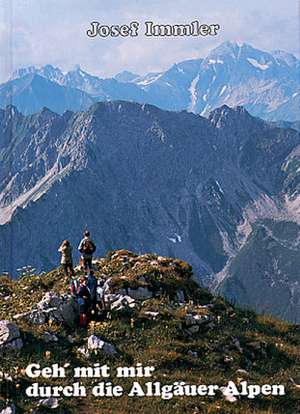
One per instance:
[(193, 93), (149, 79), (175, 239), (256, 64), (223, 90), (214, 61), (219, 187)]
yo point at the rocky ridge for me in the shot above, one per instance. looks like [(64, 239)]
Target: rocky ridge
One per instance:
[(265, 83), (213, 180)]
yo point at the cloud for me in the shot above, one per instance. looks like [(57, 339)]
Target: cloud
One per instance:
[(36, 33)]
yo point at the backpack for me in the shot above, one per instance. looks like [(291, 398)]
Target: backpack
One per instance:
[(88, 247), (80, 301)]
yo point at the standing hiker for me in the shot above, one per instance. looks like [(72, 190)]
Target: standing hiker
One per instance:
[(83, 300), (92, 286), (100, 294), (74, 285), (66, 258), (87, 247)]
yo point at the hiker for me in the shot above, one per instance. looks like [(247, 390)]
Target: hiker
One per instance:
[(92, 286), (87, 247), (74, 285), (83, 300), (66, 258), (100, 294)]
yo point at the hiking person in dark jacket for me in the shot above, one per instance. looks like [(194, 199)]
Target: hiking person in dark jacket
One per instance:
[(83, 300), (92, 286), (87, 247), (66, 258)]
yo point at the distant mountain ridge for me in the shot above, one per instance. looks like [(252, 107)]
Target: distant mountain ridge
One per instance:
[(161, 181), (266, 84)]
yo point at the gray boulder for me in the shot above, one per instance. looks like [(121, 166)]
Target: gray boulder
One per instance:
[(50, 300), (202, 319), (95, 343), (34, 317), (54, 315), (14, 345), (10, 336), (153, 315), (228, 395), (193, 329), (142, 293), (193, 322), (8, 332), (50, 402), (48, 337), (189, 320), (122, 302), (52, 307), (9, 410), (69, 310)]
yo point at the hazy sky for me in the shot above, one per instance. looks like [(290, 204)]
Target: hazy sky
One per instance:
[(36, 32)]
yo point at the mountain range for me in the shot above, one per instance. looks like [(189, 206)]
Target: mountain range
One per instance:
[(266, 84), (221, 192)]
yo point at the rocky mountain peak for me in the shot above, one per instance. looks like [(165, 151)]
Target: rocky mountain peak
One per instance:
[(229, 51), (11, 110), (126, 76), (19, 73), (286, 58), (47, 112), (225, 116)]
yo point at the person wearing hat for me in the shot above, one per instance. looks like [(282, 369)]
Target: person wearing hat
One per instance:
[(66, 258)]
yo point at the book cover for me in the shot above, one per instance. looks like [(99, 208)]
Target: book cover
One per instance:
[(149, 207)]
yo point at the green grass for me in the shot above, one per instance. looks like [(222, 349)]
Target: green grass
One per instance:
[(162, 342)]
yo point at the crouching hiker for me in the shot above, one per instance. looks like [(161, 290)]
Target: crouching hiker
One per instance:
[(66, 258), (87, 248), (83, 300)]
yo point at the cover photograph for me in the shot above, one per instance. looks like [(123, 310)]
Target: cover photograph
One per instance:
[(149, 207)]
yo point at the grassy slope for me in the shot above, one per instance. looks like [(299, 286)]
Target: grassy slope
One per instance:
[(163, 343)]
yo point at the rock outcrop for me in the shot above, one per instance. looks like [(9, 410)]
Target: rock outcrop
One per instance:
[(54, 308), (10, 336)]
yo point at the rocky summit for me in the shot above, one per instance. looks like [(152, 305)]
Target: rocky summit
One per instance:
[(156, 316), (152, 180)]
